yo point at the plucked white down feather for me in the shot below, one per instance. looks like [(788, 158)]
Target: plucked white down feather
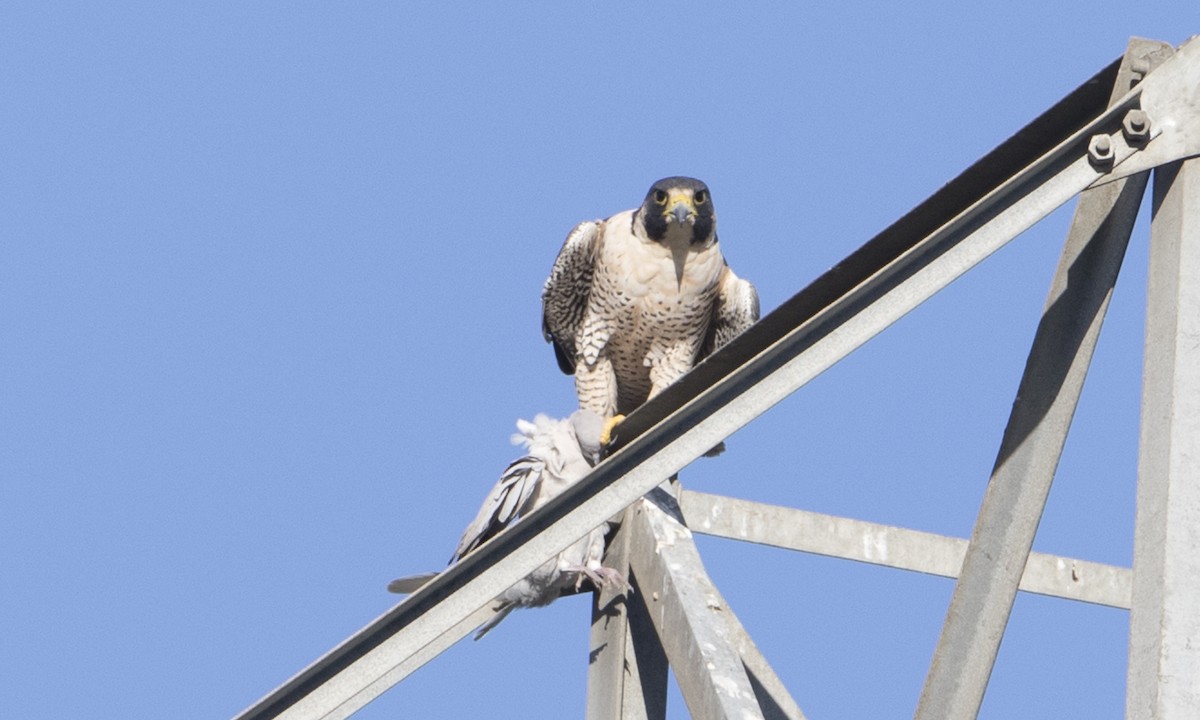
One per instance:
[(558, 454)]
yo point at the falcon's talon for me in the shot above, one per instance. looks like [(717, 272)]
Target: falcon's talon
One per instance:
[(606, 434)]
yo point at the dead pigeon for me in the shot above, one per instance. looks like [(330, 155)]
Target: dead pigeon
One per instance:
[(559, 454)]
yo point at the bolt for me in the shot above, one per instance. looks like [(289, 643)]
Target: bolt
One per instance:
[(1136, 126), (1100, 151), (1138, 68)]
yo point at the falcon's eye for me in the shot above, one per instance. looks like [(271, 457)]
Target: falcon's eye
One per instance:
[(660, 197), (700, 197)]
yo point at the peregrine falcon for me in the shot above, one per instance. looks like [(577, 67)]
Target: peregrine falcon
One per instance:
[(634, 301)]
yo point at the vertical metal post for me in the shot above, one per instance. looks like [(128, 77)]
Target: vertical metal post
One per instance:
[(1032, 444), (1164, 633), (627, 668)]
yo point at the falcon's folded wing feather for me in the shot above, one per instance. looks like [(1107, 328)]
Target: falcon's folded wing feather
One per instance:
[(565, 295), (735, 309)]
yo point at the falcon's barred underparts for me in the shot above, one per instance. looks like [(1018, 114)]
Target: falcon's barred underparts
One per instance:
[(634, 301)]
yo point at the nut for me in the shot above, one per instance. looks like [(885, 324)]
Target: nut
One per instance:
[(1136, 126), (1100, 151)]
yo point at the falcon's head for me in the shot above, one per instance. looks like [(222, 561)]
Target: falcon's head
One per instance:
[(678, 206)]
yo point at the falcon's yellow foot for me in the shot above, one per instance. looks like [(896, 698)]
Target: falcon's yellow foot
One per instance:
[(610, 424)]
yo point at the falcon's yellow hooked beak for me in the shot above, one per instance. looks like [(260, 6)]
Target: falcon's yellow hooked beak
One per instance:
[(680, 207)]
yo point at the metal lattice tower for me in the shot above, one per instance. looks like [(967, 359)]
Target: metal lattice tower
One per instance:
[(1141, 114)]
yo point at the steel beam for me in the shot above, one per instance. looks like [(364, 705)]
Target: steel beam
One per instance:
[(773, 697), (689, 616), (1164, 635), (627, 667), (627, 674), (1033, 442), (1011, 188), (893, 547)]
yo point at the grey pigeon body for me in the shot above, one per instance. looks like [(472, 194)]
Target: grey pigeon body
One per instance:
[(559, 454)]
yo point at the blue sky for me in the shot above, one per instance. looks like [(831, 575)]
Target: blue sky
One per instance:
[(269, 301)]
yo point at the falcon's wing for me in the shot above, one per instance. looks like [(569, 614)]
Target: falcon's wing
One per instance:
[(734, 310), (509, 498), (565, 295)]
